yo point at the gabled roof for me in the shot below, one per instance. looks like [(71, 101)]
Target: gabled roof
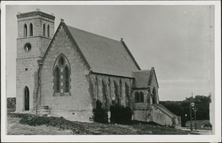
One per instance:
[(104, 55), (143, 78)]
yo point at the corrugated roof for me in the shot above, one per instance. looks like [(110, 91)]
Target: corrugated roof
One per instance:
[(141, 78), (104, 55)]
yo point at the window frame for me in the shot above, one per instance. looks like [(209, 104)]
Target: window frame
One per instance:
[(64, 79), (139, 97)]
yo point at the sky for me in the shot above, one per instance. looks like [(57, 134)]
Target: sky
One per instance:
[(177, 40)]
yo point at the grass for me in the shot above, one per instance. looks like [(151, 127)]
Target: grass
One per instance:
[(27, 124), (15, 128), (201, 124)]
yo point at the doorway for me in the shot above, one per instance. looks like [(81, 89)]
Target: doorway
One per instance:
[(26, 98)]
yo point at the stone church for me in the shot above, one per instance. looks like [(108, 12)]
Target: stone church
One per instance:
[(69, 69)]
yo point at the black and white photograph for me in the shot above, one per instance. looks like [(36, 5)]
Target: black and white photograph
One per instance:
[(115, 71)]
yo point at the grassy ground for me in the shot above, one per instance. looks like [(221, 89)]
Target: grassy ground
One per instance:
[(200, 124), (18, 125), (15, 128)]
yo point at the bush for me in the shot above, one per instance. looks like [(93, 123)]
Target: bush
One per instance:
[(100, 114), (120, 114)]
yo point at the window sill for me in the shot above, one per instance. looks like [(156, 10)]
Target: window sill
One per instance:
[(62, 94)]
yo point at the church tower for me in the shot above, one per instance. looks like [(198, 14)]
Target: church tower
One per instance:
[(35, 30)]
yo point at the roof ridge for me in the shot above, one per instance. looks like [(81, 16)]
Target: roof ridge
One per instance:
[(92, 33), (142, 70)]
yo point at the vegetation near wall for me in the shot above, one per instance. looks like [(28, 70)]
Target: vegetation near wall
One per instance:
[(180, 108), (100, 114), (120, 114)]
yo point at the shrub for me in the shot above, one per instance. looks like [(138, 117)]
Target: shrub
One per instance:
[(100, 114), (120, 114)]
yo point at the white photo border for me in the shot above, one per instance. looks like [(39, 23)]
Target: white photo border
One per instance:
[(114, 138)]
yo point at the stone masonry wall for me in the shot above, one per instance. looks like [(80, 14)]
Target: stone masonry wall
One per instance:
[(77, 105), (37, 22), (98, 81), (154, 85), (25, 69), (26, 62)]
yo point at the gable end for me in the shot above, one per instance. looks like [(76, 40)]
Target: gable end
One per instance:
[(153, 73), (72, 40)]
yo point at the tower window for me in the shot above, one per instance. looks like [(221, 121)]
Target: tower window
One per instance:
[(48, 31), (31, 29), (43, 29), (61, 75), (27, 47), (25, 30)]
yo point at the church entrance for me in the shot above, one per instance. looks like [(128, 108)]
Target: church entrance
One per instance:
[(26, 98)]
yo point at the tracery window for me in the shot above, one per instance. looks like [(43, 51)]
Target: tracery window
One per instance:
[(62, 73)]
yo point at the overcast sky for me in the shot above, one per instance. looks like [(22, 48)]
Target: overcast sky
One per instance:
[(175, 40)]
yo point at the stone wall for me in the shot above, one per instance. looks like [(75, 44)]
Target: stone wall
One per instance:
[(37, 22), (160, 117), (25, 69), (77, 104), (103, 88), (26, 62)]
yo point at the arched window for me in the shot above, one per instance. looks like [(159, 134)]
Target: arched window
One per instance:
[(141, 96), (136, 97), (26, 96), (25, 30), (57, 80), (43, 29), (31, 30), (48, 31), (154, 96), (66, 79), (62, 75)]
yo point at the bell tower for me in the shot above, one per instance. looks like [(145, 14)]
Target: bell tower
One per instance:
[(35, 30)]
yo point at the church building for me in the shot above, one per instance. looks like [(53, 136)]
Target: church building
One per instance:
[(69, 69)]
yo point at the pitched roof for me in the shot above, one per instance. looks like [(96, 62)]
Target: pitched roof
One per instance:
[(143, 78), (104, 55)]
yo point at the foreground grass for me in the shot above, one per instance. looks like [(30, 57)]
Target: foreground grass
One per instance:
[(15, 128), (31, 124)]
